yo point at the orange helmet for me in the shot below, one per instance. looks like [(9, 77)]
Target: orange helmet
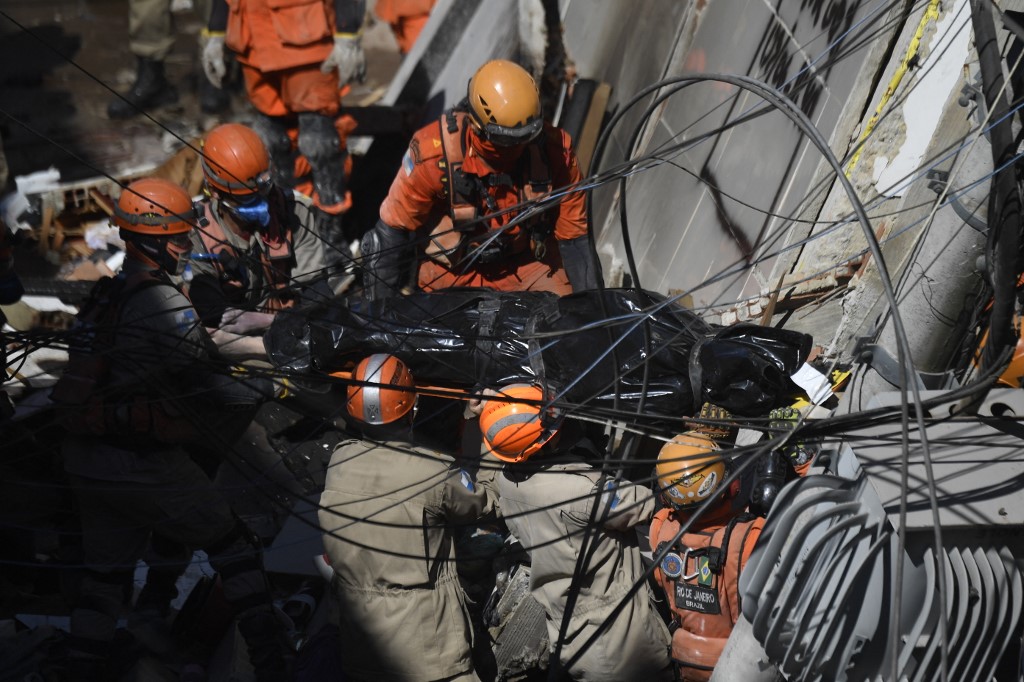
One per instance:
[(690, 469), (376, 404), (515, 430), (505, 103), (155, 207), (1014, 372), (235, 161)]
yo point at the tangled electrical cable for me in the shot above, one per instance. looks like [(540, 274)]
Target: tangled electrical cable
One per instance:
[(833, 427)]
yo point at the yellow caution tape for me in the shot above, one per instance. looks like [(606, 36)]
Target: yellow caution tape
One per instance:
[(837, 381), (930, 14)]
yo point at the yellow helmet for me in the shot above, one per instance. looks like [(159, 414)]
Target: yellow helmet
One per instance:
[(690, 469), (505, 103)]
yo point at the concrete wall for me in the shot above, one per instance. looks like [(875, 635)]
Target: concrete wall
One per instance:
[(725, 218), (698, 219)]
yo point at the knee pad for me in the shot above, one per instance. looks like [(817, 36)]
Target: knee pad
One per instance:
[(318, 139), (320, 144), (274, 133)]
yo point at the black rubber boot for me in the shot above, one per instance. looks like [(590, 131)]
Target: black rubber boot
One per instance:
[(265, 639), (149, 90)]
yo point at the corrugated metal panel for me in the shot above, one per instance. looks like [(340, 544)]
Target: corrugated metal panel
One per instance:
[(820, 588)]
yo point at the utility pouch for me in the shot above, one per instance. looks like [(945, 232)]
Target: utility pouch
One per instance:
[(486, 248)]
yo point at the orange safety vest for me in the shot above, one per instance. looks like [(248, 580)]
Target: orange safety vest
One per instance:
[(459, 230), (700, 576), (276, 255)]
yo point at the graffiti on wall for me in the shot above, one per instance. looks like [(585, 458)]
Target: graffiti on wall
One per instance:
[(829, 18)]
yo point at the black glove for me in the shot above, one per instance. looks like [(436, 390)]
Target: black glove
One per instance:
[(580, 263), (386, 252)]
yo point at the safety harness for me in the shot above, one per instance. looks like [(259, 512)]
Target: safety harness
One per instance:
[(710, 563), (461, 232), (90, 409), (87, 407), (701, 622), (93, 335), (276, 257)]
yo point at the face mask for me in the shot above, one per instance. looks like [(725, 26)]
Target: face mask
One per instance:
[(250, 214)]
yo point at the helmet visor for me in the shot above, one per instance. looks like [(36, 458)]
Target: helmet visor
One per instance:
[(504, 136)]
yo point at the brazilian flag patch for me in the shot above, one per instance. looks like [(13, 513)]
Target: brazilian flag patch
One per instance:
[(703, 571)]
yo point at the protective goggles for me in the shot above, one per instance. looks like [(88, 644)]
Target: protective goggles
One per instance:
[(181, 242), (251, 210), (504, 136)]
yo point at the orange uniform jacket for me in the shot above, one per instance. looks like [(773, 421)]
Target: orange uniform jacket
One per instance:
[(272, 35), (418, 198), (392, 11), (705, 607)]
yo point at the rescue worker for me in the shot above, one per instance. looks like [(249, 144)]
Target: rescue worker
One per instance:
[(11, 291), (140, 351), (459, 193), (389, 512), (406, 19), (553, 501), (257, 250), (294, 58), (151, 34), (13, 204), (701, 571)]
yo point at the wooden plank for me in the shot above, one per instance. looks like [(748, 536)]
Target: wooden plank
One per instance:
[(58, 235), (44, 227), (105, 203), (592, 125)]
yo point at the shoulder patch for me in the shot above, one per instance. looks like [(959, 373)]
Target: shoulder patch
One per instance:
[(610, 496), (186, 319), (407, 163), (467, 482)]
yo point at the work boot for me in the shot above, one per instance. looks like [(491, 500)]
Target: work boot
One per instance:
[(149, 90), (266, 641)]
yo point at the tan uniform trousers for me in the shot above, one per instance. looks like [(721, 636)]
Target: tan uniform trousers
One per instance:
[(151, 26)]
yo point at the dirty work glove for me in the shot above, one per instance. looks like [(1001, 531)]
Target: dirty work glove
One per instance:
[(16, 212), (244, 322), (796, 451), (347, 57), (213, 57)]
